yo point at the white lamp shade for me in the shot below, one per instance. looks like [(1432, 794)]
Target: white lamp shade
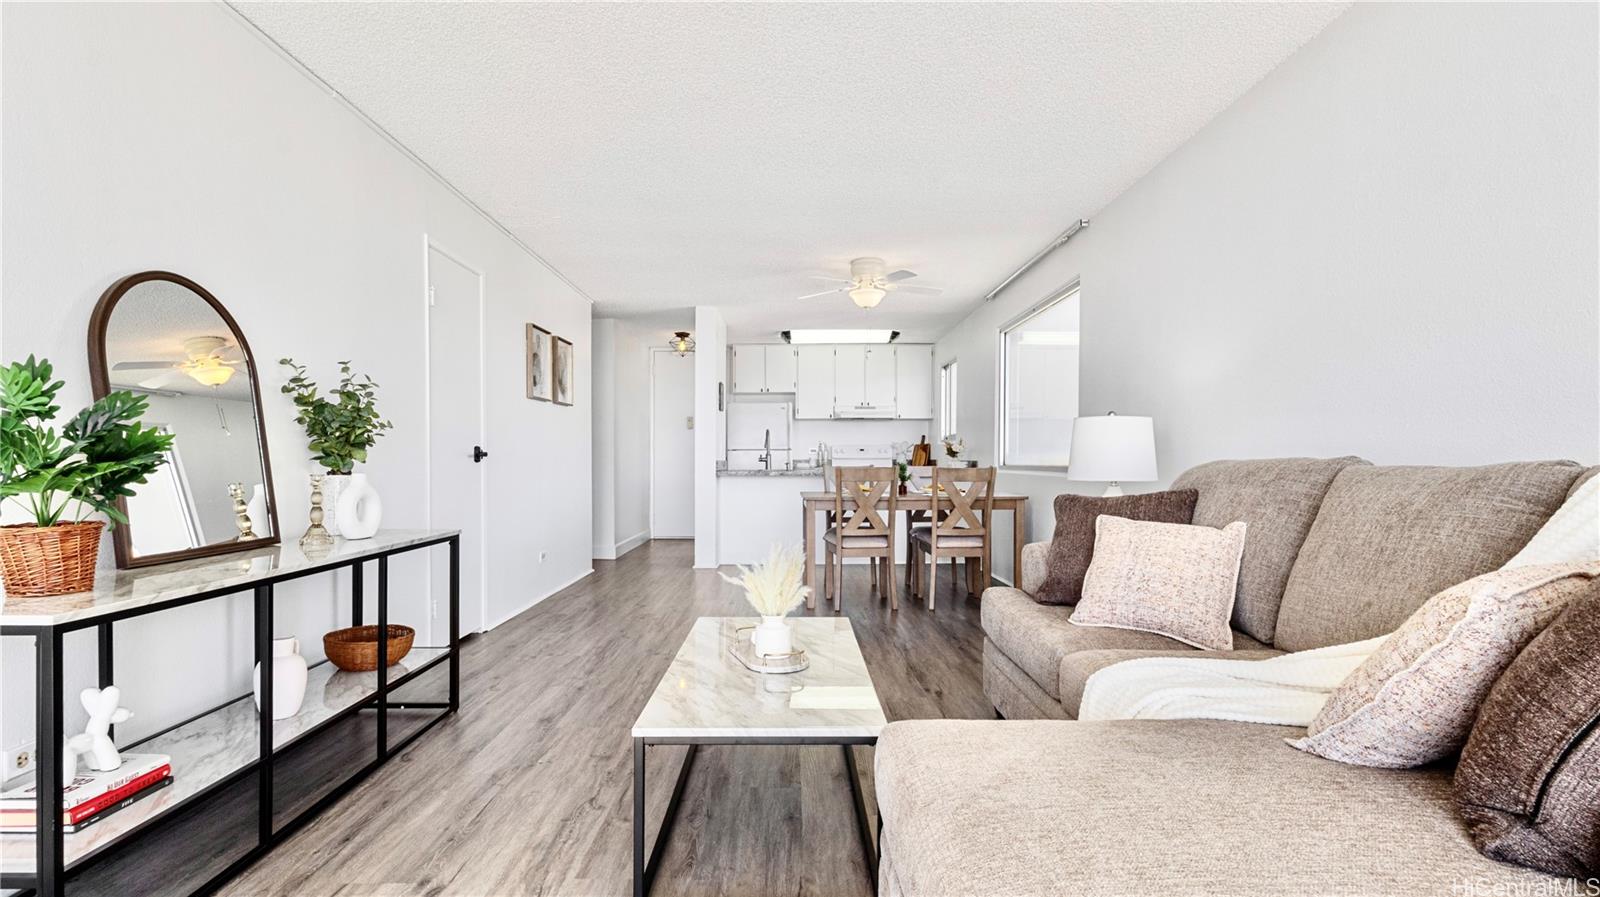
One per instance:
[(1113, 448)]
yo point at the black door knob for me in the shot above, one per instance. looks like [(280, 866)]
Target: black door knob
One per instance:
[(478, 454)]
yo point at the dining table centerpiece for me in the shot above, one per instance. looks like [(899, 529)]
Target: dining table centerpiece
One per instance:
[(774, 587)]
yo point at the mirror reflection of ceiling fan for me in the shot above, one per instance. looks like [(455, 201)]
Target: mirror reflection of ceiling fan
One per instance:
[(868, 283), (206, 362)]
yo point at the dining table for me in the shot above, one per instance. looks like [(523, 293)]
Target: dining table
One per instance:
[(816, 503)]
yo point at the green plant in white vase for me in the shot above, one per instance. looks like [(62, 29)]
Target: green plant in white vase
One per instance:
[(774, 587), (340, 429)]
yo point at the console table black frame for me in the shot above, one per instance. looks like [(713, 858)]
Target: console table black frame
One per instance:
[(50, 870)]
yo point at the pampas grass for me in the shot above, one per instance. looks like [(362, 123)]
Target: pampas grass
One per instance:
[(773, 587)]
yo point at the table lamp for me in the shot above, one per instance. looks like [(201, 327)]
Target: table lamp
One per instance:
[(1112, 449)]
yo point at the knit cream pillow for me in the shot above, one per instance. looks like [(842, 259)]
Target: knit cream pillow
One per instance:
[(1414, 700), (1171, 579)]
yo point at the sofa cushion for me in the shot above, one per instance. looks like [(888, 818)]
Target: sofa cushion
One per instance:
[(1077, 668), (1072, 544), (1389, 538), (1034, 556), (1585, 477), (1529, 779), (1173, 807), (1571, 535), (1414, 699), (1279, 498), (1173, 579), (1035, 637)]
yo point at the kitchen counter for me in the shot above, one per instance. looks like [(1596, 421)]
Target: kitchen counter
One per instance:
[(814, 472)]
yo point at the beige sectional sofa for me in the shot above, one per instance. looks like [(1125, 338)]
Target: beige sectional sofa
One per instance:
[(1338, 550)]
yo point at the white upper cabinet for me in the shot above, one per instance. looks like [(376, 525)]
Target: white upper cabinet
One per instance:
[(763, 369), (878, 389), (749, 369), (849, 379), (781, 368), (813, 391), (914, 382)]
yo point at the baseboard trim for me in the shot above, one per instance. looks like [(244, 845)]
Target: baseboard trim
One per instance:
[(632, 542), (530, 605)]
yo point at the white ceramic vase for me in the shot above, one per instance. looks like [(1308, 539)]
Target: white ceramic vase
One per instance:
[(360, 510), (256, 510), (288, 678), (772, 636), (333, 485)]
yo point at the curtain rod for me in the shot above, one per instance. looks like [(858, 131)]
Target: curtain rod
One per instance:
[(1055, 244)]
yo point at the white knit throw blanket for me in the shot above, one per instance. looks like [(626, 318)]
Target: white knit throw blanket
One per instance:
[(1287, 690)]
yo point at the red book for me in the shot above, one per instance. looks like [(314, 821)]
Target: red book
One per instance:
[(18, 816)]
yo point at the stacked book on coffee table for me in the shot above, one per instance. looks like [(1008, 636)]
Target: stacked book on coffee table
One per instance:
[(91, 797)]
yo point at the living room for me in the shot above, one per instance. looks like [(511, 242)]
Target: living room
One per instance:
[(535, 406)]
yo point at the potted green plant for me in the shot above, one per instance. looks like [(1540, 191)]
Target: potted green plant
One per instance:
[(96, 458), (340, 429)]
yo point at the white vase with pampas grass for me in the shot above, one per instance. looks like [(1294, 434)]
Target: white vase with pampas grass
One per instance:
[(774, 587)]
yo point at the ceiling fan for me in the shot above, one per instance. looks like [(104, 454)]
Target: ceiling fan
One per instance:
[(868, 283), (204, 363)]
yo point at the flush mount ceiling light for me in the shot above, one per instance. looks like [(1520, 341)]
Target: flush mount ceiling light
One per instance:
[(681, 343), (868, 296), (839, 337)]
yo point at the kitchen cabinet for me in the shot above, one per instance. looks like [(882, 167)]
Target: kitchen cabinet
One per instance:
[(814, 379), (878, 375), (849, 378), (913, 367), (781, 368), (764, 369)]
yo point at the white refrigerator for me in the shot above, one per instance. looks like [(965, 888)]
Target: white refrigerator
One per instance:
[(758, 435)]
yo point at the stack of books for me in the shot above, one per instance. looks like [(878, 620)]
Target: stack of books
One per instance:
[(91, 797)]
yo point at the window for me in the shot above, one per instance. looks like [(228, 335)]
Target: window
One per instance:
[(1039, 383), (947, 399)]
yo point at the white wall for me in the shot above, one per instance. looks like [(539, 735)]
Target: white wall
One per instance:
[(710, 369), (170, 136), (1387, 248), (621, 436)]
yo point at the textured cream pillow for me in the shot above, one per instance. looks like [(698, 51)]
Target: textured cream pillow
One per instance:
[(1414, 700), (1172, 579), (1571, 535)]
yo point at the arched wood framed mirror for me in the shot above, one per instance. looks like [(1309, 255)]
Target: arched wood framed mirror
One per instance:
[(163, 336)]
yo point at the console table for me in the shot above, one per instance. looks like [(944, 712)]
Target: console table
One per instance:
[(242, 782)]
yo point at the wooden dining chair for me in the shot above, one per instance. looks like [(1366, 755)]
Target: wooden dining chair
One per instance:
[(864, 527), (963, 503), (921, 478)]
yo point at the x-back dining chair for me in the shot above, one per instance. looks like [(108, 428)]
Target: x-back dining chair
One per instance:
[(963, 499), (861, 528)]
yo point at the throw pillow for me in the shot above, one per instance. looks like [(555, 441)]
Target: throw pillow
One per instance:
[(1072, 546), (1413, 701), (1529, 780), (1571, 535), (1171, 579)]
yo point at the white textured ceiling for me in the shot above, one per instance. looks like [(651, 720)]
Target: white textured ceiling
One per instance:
[(666, 155)]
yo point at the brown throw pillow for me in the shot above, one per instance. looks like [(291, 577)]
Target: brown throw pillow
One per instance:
[(1529, 780), (1072, 546)]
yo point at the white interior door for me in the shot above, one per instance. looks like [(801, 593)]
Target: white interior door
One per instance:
[(671, 446), (455, 428)]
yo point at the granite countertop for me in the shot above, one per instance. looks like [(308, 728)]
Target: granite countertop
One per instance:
[(813, 472)]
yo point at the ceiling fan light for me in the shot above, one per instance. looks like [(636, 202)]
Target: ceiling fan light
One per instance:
[(209, 372), (681, 343), (867, 296)]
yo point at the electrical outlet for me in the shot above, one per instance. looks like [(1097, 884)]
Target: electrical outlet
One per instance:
[(18, 761)]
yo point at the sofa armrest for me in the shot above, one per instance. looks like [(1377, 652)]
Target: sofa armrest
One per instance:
[(1034, 556)]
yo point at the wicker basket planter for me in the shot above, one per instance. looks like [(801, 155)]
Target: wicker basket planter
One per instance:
[(49, 560), (355, 650)]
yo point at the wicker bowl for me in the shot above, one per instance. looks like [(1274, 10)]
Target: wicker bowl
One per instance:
[(355, 650), (49, 560)]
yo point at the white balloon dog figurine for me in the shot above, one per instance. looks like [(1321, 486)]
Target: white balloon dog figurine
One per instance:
[(95, 744)]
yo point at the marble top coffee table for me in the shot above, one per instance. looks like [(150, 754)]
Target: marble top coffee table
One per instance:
[(708, 697)]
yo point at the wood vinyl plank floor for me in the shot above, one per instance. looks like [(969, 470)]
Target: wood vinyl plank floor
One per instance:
[(528, 789)]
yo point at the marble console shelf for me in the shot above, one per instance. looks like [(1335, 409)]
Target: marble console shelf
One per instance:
[(216, 745), (116, 593)]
